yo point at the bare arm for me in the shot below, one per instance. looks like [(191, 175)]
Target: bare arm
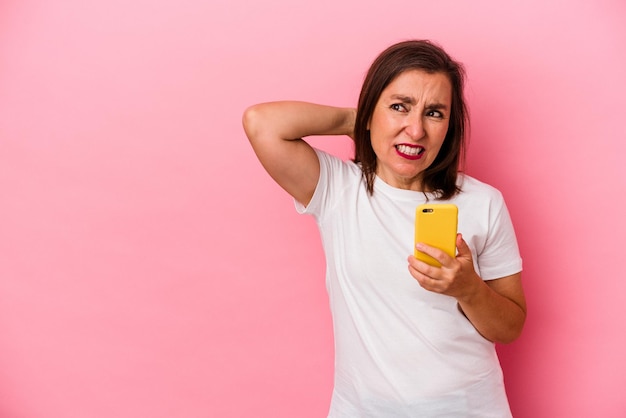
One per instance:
[(496, 308), (275, 131)]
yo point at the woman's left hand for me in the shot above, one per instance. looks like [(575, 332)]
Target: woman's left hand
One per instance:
[(456, 277), (497, 308)]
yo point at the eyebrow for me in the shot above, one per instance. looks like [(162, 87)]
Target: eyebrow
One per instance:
[(437, 106), (410, 100), (403, 98)]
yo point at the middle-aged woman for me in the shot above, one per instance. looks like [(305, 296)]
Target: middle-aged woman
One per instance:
[(411, 339)]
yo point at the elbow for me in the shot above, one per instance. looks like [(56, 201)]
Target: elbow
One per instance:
[(513, 332), (508, 339), (250, 121)]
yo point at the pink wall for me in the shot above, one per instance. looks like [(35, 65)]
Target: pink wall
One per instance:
[(150, 268)]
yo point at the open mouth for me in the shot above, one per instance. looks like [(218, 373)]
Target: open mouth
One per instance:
[(412, 152)]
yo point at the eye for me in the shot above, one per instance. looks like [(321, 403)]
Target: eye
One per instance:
[(399, 107), (435, 114)]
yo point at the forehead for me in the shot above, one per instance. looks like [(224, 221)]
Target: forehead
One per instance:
[(420, 86)]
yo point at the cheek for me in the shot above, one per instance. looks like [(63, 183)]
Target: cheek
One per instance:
[(436, 151), (438, 134), (381, 127), (375, 142)]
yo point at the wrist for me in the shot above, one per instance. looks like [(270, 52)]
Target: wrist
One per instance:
[(348, 117), (474, 293)]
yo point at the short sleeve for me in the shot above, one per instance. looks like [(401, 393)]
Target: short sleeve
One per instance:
[(335, 175), (500, 256)]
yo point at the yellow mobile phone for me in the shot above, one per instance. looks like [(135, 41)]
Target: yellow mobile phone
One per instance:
[(436, 225)]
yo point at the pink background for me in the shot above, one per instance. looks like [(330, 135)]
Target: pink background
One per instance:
[(150, 268)]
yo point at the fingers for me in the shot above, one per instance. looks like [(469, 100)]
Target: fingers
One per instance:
[(455, 275), (425, 274), (439, 255), (463, 250), (464, 254), (421, 267), (461, 246)]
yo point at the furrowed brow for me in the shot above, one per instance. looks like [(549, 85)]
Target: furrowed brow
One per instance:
[(437, 106), (403, 98)]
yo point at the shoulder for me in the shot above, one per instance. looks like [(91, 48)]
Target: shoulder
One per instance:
[(336, 177), (479, 197), (335, 166), (472, 187)]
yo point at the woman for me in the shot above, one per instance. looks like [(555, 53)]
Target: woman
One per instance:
[(411, 339)]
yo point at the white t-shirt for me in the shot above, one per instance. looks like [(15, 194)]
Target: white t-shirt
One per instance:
[(400, 350)]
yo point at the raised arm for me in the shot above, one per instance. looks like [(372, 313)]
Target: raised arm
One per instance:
[(275, 131)]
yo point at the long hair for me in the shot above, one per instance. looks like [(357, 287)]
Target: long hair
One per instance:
[(440, 177)]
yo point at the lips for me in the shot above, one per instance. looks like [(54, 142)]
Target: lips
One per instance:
[(410, 152)]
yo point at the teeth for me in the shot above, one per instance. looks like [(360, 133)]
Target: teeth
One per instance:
[(405, 149)]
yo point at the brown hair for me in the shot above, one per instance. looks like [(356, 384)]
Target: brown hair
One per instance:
[(440, 177)]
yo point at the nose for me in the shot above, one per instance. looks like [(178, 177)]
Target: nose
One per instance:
[(414, 126)]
